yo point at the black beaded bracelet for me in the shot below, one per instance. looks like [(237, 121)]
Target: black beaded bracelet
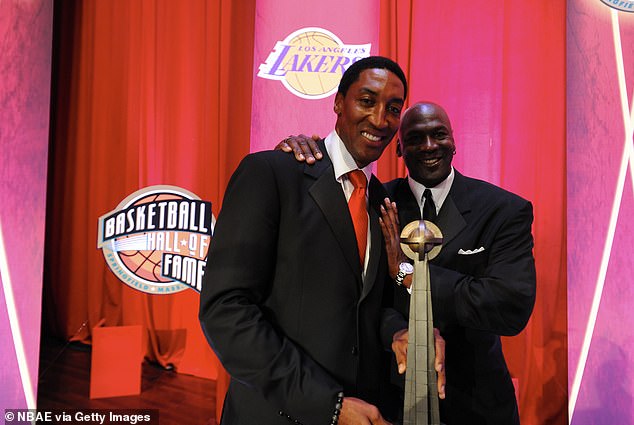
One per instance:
[(338, 406)]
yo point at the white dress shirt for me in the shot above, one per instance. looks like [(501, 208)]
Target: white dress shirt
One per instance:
[(438, 193)]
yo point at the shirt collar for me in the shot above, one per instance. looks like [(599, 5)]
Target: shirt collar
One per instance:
[(342, 160), (439, 192)]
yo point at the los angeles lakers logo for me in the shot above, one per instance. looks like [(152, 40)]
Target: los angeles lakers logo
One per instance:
[(157, 239), (310, 62)]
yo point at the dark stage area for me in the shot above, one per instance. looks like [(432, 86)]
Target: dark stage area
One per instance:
[(64, 383)]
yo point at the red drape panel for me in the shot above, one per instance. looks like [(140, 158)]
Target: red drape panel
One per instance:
[(395, 43), (499, 70), (145, 93)]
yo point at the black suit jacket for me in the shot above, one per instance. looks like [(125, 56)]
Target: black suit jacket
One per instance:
[(283, 302), (483, 286)]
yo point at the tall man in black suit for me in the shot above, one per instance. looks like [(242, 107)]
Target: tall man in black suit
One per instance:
[(301, 339), (483, 280)]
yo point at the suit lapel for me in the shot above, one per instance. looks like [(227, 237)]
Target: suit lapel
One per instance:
[(408, 207), (376, 193), (327, 193), (450, 221), (451, 216)]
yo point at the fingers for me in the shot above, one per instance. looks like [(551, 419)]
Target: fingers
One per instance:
[(399, 346), (391, 213), (283, 146), (439, 362), (388, 219), (306, 147), (295, 142), (390, 232), (391, 206), (380, 421), (441, 386), (391, 228), (386, 225), (391, 236), (303, 147), (384, 230), (356, 411), (442, 379), (291, 144), (312, 144), (374, 415)]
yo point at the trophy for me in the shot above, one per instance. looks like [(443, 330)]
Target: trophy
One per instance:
[(421, 241)]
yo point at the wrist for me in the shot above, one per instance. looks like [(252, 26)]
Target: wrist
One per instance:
[(407, 282), (405, 269), (393, 270), (338, 406)]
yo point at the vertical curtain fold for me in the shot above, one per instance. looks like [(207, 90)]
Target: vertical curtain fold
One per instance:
[(146, 93), (395, 43)]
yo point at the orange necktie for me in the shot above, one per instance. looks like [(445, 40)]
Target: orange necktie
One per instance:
[(358, 210)]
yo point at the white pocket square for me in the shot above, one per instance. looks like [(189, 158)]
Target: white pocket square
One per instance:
[(470, 251)]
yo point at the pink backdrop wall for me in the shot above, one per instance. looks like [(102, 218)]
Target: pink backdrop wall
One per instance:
[(600, 93), (25, 67), (276, 112)]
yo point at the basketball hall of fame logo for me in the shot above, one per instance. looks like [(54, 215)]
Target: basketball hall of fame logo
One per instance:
[(156, 240), (622, 5), (310, 62)]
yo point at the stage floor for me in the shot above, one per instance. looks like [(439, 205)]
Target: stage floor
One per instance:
[(64, 383)]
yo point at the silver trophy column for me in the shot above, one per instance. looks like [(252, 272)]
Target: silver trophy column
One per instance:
[(420, 241)]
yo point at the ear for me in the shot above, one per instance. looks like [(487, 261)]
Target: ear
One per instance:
[(338, 104), (399, 153)]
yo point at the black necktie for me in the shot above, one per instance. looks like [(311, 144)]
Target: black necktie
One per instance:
[(429, 208)]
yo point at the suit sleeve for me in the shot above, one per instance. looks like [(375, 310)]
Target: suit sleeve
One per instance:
[(392, 321), (238, 277), (501, 299)]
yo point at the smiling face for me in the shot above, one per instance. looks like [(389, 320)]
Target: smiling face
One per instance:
[(369, 114), (426, 143)]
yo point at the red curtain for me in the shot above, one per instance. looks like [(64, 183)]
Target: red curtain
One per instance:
[(159, 92), (145, 93), (498, 67)]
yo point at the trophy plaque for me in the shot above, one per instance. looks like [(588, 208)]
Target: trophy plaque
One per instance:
[(421, 241)]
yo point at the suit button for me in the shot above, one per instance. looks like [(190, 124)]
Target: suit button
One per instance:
[(355, 350)]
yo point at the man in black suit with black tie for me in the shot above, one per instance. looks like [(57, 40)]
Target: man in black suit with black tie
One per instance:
[(301, 339), (483, 280)]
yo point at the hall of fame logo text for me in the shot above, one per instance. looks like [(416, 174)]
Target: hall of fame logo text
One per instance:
[(156, 240)]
